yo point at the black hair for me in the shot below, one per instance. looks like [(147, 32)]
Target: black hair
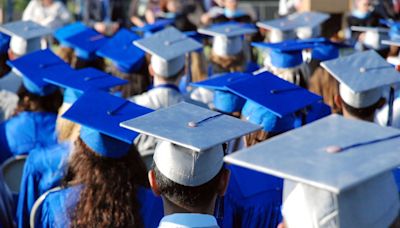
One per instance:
[(187, 196), (362, 113)]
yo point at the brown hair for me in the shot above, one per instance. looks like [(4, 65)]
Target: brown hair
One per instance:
[(4, 68), (34, 103), (233, 63), (198, 66), (323, 84), (108, 198)]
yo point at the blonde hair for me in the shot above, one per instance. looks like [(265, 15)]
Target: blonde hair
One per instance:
[(323, 84), (66, 130)]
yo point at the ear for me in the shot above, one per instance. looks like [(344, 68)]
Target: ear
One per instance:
[(338, 102), (151, 71), (153, 183), (223, 182)]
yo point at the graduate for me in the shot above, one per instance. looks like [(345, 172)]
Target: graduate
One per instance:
[(167, 65), (45, 167), (228, 52), (303, 25), (21, 43), (175, 10), (188, 171), (127, 62), (220, 99), (285, 60), (106, 178), (33, 126), (337, 173)]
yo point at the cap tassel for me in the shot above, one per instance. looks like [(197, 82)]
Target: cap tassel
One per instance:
[(96, 37), (277, 91), (46, 65), (195, 124), (96, 77), (365, 69), (337, 149), (390, 105), (118, 108), (171, 42)]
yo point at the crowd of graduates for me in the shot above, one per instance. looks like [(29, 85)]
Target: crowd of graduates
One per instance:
[(179, 113)]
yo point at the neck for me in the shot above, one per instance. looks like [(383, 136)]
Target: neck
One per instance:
[(161, 81), (172, 208)]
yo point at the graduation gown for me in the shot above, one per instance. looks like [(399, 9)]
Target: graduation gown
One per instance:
[(25, 132), (253, 199), (44, 170), (188, 220), (58, 205)]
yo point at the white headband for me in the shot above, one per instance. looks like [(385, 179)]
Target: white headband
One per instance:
[(187, 167), (359, 100), (223, 46), (169, 68)]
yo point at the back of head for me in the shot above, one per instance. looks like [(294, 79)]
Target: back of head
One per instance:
[(108, 198), (35, 103)]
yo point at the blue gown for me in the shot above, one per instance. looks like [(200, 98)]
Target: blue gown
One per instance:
[(58, 205), (6, 206), (44, 169), (253, 199), (25, 132)]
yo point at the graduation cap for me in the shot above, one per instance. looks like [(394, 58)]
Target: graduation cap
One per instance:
[(100, 113), (227, 37), (68, 31), (284, 28), (224, 100), (272, 101), (149, 29), (348, 182), (168, 48), (36, 66), (394, 32), (373, 36), (285, 54), (191, 152), (4, 43), (120, 50), (25, 36), (84, 79), (363, 76), (86, 43)]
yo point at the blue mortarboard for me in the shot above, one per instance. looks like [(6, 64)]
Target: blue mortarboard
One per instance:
[(277, 95), (286, 54), (68, 31), (100, 113), (83, 80), (224, 100), (34, 67), (4, 43), (152, 28), (394, 32), (86, 43), (121, 51)]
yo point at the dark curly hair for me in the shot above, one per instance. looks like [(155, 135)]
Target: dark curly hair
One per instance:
[(108, 198), (34, 103)]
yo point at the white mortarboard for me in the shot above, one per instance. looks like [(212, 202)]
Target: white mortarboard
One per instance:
[(228, 37), (362, 77), (191, 151), (25, 36), (168, 48), (373, 36), (283, 28), (355, 184)]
